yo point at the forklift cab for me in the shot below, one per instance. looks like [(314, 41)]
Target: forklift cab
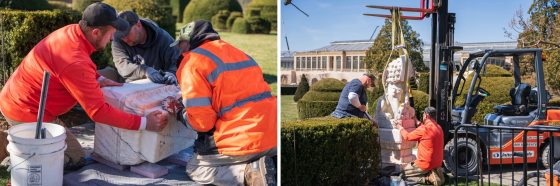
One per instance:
[(526, 101)]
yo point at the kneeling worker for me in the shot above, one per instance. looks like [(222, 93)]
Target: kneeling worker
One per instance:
[(231, 107), (427, 167)]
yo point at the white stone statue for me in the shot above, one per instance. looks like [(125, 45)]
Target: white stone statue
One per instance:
[(395, 109)]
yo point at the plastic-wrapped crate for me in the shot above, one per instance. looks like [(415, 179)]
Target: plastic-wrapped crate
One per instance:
[(128, 147)]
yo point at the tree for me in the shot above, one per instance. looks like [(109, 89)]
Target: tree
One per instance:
[(302, 88), (541, 30), (378, 54)]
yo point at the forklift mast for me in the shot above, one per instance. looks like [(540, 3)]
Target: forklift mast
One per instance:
[(441, 54)]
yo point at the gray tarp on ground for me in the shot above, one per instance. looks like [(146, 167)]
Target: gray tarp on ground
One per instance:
[(102, 175)]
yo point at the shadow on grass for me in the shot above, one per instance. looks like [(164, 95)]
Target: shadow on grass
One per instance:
[(269, 78)]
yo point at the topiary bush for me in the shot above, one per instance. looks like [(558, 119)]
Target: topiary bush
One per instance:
[(220, 19), (178, 7), (265, 9), (424, 82), (496, 71), (231, 19), (258, 25), (205, 9), (158, 11), (22, 30), (303, 87), (497, 84), (81, 5), (329, 151), (26, 4), (321, 100), (240, 26)]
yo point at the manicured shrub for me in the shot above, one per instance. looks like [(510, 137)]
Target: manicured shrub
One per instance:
[(80, 5), (329, 151), (258, 25), (26, 4), (178, 7), (303, 87), (321, 100), (497, 85), (158, 11), (22, 30), (231, 19), (205, 9), (496, 71), (220, 19), (265, 9), (240, 26), (424, 82)]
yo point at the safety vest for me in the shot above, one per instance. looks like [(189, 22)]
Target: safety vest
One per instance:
[(227, 100)]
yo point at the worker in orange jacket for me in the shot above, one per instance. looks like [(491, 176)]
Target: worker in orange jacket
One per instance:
[(65, 54), (230, 106), (426, 169)]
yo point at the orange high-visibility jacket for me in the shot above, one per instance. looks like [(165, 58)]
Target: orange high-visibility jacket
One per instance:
[(227, 100), (65, 55), (430, 144)]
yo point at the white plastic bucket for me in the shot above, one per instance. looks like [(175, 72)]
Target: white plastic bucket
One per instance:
[(36, 161)]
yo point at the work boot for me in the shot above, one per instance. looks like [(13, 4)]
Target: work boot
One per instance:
[(436, 177), (260, 173)]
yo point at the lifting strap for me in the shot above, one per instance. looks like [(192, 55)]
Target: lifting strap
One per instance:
[(398, 44)]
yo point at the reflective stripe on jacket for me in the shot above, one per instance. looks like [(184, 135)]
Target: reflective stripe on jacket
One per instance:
[(227, 100)]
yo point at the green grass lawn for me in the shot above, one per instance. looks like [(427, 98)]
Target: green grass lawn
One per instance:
[(262, 48), (288, 108)]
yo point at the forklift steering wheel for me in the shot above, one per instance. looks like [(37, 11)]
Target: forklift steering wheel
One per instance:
[(483, 92)]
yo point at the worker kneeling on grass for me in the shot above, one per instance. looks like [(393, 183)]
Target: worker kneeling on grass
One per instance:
[(228, 103), (426, 169), (65, 54)]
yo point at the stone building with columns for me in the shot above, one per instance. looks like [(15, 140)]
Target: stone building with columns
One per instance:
[(344, 60)]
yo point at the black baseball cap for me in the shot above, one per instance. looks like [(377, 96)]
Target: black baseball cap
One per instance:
[(101, 14), (131, 18)]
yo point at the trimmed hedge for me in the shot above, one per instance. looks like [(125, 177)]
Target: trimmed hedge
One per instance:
[(240, 26), (424, 82), (265, 9), (178, 7), (303, 87), (158, 11), (321, 100), (329, 151), (496, 84), (231, 19), (26, 4), (496, 71), (205, 9), (258, 25), (22, 30), (81, 5), (220, 19)]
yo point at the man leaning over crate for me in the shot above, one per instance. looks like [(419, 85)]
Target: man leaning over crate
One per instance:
[(65, 54)]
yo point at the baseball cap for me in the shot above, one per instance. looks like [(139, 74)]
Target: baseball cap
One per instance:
[(184, 34), (101, 14), (131, 18)]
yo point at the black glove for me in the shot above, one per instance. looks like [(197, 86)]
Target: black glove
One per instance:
[(154, 75), (169, 78)]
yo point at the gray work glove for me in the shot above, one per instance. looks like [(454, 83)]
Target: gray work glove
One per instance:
[(169, 78), (154, 75)]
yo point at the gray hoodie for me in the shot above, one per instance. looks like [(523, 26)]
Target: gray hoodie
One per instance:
[(155, 52)]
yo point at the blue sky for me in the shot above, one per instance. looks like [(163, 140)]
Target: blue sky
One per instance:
[(334, 20)]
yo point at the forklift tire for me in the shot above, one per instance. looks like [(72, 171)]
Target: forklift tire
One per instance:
[(545, 155), (468, 151)]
